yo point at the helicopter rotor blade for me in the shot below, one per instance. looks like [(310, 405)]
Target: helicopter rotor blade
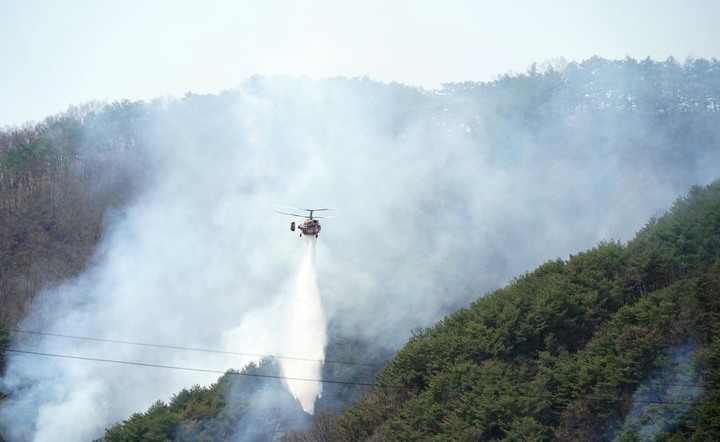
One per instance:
[(300, 208), (291, 214)]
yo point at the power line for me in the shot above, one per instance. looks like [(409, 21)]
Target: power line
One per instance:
[(200, 370), (339, 362), (174, 347), (359, 384)]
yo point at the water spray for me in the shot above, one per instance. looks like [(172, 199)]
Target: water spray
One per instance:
[(305, 334)]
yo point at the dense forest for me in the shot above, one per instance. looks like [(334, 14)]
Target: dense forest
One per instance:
[(618, 342), (602, 345)]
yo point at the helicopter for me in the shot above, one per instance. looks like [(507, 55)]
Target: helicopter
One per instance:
[(311, 225)]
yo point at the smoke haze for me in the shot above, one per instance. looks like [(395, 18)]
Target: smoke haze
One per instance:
[(663, 399), (430, 214)]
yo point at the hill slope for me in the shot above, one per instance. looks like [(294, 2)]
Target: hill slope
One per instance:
[(619, 341)]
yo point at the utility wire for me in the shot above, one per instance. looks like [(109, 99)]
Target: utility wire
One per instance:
[(360, 384), (201, 370), (174, 347)]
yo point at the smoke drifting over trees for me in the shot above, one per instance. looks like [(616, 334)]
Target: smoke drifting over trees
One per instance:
[(439, 196)]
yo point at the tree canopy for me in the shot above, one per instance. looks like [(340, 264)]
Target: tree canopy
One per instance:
[(618, 341)]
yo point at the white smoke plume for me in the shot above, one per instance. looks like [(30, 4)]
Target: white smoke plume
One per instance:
[(304, 344)]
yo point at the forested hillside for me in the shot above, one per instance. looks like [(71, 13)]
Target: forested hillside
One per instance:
[(621, 341), (147, 222), (56, 188)]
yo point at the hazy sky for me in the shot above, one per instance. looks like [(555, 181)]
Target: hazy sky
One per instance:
[(59, 53)]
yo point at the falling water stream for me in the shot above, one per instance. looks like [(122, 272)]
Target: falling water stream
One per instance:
[(306, 335)]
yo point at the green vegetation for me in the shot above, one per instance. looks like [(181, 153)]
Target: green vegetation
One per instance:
[(561, 352), (238, 404), (217, 412)]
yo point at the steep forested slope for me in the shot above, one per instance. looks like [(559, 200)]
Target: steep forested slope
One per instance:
[(57, 185), (619, 341)]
